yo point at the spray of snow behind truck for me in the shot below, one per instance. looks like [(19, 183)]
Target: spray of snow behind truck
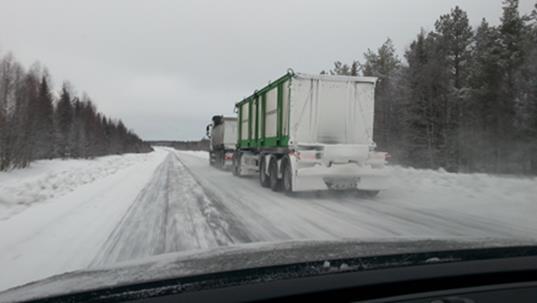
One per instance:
[(311, 132), (222, 133)]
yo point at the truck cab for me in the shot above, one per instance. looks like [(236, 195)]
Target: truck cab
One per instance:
[(222, 134)]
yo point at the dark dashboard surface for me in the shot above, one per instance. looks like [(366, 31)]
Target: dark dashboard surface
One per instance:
[(475, 275)]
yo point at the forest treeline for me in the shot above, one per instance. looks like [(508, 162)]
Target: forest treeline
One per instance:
[(38, 123), (463, 98)]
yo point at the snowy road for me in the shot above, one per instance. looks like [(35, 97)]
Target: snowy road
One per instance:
[(189, 205), (172, 201), (172, 213)]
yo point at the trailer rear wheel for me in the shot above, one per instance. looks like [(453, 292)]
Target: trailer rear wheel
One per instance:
[(263, 178), (236, 164), (217, 160), (287, 175), (211, 156), (275, 182), (368, 193)]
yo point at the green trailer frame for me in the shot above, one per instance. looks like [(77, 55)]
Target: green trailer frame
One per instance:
[(256, 129)]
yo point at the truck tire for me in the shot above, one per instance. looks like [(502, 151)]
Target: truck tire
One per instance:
[(275, 182), (287, 175), (236, 164), (219, 159), (211, 155), (264, 180), (368, 193)]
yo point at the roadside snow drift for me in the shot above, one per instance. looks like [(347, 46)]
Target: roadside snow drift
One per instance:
[(48, 179), (65, 232)]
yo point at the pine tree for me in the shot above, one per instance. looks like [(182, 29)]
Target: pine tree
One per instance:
[(455, 35), (354, 69), (485, 102), (526, 95), (22, 126), (512, 57), (90, 128), (77, 135), (64, 121), (428, 100), (45, 118), (11, 77), (420, 136), (340, 69), (29, 149), (385, 65)]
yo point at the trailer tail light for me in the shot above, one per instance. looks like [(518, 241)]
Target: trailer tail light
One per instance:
[(228, 156), (307, 155), (387, 156)]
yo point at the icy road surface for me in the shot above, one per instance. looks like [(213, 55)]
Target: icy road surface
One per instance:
[(135, 206)]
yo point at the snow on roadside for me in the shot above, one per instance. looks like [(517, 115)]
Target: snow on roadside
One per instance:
[(48, 179), (509, 199), (470, 186), (66, 232)]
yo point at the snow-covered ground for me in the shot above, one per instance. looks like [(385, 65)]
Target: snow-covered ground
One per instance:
[(65, 232), (48, 179), (59, 216)]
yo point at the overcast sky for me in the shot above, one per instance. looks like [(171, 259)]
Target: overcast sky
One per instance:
[(165, 67)]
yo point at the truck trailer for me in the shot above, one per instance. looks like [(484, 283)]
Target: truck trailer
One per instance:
[(311, 132), (222, 134)]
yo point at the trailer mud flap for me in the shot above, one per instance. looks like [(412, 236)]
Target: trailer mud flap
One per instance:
[(374, 182), (340, 177), (341, 183)]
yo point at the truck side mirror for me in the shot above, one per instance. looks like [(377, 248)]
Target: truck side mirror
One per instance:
[(208, 131)]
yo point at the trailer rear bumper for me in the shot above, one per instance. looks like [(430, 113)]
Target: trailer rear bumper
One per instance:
[(342, 176), (228, 164), (222, 159)]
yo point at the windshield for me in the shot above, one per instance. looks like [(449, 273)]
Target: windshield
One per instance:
[(157, 131)]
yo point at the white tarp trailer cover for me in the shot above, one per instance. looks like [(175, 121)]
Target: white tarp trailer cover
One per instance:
[(225, 134), (230, 133), (330, 127)]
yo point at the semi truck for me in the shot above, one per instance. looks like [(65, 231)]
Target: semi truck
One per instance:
[(311, 132), (222, 134)]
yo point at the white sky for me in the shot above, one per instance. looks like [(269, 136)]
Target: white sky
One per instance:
[(165, 67)]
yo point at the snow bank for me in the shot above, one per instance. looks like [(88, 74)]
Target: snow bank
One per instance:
[(48, 179), (65, 232), (506, 198)]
